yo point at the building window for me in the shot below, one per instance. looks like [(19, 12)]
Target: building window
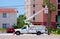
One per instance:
[(5, 25), (58, 1), (33, 18), (58, 6), (34, 12), (33, 5), (56, 18), (33, 0), (58, 12), (5, 15)]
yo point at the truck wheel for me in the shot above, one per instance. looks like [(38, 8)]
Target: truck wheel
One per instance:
[(38, 33), (17, 32)]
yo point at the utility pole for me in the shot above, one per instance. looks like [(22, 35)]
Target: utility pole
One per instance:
[(47, 12), (49, 17)]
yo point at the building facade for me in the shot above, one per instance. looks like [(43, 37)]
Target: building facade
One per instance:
[(8, 17), (33, 6), (58, 13)]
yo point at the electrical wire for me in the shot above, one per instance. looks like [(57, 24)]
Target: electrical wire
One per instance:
[(19, 5)]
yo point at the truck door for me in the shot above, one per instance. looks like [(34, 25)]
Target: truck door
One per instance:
[(24, 30)]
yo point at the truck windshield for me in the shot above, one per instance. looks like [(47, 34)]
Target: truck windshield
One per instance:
[(23, 27)]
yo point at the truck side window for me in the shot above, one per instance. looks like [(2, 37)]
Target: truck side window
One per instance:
[(24, 28)]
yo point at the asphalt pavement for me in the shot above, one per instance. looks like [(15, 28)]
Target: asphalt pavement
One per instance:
[(28, 36)]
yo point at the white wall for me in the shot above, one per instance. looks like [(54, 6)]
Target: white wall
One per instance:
[(12, 19)]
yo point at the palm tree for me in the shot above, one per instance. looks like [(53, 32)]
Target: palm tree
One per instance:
[(51, 7)]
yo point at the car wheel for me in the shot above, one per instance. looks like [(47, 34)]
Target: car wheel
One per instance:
[(38, 33), (17, 32)]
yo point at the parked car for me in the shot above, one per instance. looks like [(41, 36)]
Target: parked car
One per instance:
[(10, 29), (31, 29)]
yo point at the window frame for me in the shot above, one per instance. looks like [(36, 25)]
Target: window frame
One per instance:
[(33, 18), (33, 5), (58, 6), (5, 25), (33, 11), (5, 15), (58, 1), (58, 12)]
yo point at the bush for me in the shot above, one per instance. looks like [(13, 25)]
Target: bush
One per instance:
[(15, 26), (54, 32), (49, 28), (58, 31)]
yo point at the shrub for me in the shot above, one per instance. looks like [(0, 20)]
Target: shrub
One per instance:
[(49, 28), (15, 26), (58, 31), (54, 32)]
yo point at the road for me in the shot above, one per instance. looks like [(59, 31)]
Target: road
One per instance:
[(29, 36)]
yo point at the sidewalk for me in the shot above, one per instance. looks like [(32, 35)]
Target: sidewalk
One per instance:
[(21, 34), (6, 33)]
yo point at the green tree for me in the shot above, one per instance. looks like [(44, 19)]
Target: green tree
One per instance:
[(20, 21)]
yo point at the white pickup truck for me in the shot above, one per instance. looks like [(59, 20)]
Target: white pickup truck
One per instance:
[(31, 29)]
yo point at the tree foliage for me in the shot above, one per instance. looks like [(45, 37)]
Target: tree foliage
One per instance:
[(52, 6), (20, 21), (46, 1), (15, 26)]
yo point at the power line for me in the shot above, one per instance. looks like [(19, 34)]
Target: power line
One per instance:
[(19, 5)]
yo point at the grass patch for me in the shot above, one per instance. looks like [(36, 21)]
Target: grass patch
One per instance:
[(2, 28)]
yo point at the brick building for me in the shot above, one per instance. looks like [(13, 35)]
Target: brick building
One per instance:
[(33, 6)]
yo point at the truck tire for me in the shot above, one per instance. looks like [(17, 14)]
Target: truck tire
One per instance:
[(38, 33), (17, 32)]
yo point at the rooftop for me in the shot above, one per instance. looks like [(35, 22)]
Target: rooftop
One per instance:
[(10, 10)]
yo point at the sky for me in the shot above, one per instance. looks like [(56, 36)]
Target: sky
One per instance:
[(13, 4)]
